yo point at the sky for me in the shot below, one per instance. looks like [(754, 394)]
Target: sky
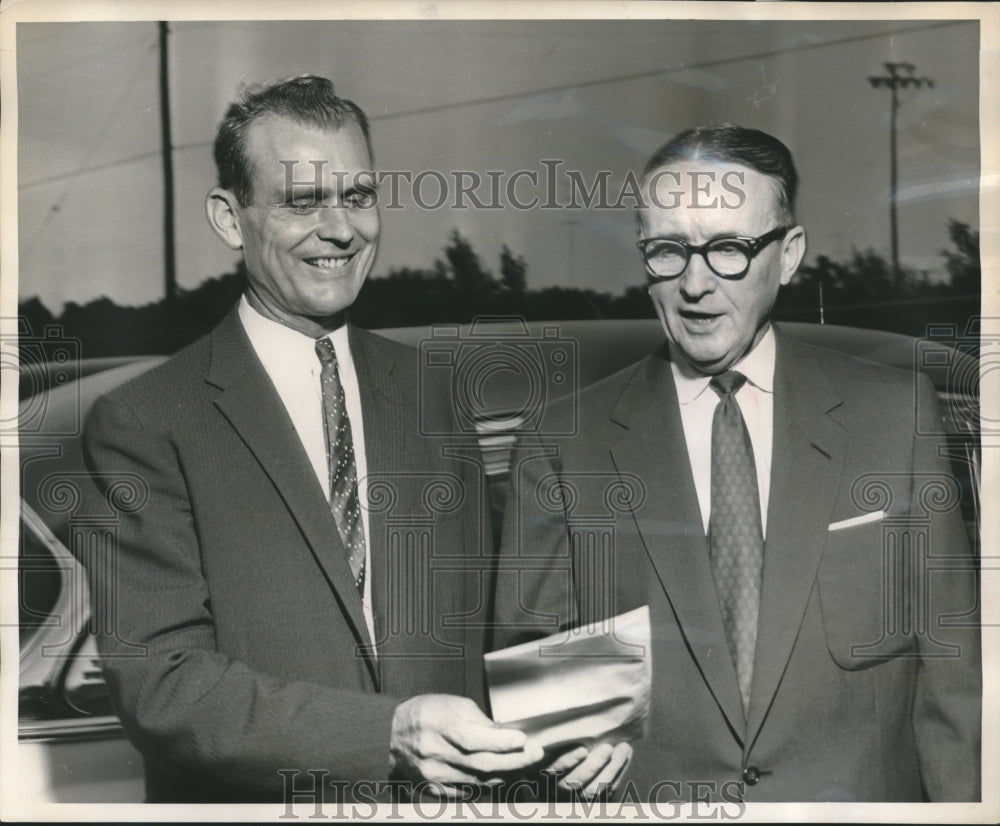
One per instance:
[(592, 97)]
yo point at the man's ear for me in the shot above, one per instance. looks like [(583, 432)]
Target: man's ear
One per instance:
[(221, 207), (793, 250)]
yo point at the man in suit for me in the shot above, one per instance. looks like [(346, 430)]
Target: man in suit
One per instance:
[(798, 542), (275, 622)]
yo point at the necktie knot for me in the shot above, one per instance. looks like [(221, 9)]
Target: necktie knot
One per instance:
[(324, 350), (725, 384)]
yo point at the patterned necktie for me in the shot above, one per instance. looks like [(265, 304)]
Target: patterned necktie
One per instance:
[(735, 535), (344, 501)]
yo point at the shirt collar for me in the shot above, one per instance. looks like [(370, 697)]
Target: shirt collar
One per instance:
[(757, 366), (271, 337)]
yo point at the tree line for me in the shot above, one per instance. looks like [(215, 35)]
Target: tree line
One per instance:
[(862, 291)]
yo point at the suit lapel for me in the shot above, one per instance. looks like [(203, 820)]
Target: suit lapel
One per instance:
[(396, 456), (669, 522), (385, 436), (806, 466), (385, 432), (254, 409)]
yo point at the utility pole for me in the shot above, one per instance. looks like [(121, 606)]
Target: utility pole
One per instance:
[(900, 77), (169, 261)]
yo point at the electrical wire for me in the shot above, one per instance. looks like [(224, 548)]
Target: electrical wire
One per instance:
[(548, 90)]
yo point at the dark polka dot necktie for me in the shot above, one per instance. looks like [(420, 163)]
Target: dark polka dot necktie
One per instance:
[(735, 534), (344, 500)]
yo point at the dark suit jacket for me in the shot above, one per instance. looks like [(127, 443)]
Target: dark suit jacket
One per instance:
[(235, 646), (862, 688)]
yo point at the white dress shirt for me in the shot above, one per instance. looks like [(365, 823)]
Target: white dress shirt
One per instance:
[(755, 398), (290, 359)]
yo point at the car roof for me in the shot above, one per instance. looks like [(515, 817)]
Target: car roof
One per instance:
[(601, 347)]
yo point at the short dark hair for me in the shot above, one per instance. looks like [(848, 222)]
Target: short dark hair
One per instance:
[(308, 99), (730, 143)]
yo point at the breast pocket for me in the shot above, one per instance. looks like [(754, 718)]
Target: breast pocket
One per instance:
[(866, 585)]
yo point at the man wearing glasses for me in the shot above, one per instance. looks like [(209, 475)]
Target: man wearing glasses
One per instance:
[(766, 500)]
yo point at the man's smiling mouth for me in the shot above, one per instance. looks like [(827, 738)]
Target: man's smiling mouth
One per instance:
[(330, 263)]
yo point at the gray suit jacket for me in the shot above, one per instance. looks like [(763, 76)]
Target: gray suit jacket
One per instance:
[(236, 645), (867, 672)]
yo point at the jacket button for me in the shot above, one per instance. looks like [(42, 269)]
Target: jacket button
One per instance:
[(751, 774)]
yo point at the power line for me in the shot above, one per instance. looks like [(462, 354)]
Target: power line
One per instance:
[(548, 90), (121, 50), (708, 64), (57, 204), (87, 170), (100, 167)]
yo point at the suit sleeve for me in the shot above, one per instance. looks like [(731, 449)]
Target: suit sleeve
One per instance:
[(948, 698), (186, 706)]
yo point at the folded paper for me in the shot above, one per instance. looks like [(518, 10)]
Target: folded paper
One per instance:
[(865, 518), (586, 685)]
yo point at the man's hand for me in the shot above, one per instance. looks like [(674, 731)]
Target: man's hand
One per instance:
[(448, 740), (590, 772)]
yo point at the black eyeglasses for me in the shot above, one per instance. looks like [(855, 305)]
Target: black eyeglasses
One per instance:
[(667, 258)]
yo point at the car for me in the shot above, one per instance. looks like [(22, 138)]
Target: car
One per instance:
[(71, 746)]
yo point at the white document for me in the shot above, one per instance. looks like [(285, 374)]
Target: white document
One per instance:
[(586, 685), (864, 519)]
